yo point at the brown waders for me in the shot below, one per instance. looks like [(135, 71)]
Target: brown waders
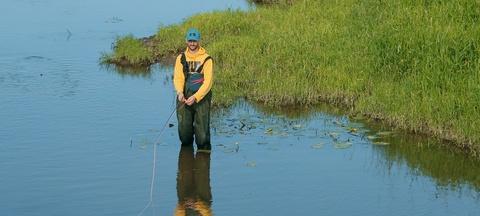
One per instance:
[(195, 120)]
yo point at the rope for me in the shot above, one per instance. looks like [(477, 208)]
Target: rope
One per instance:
[(155, 159)]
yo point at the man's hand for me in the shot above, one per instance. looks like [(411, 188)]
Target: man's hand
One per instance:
[(190, 100), (181, 98)]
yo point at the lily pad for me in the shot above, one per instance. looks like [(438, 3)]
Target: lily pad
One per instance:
[(381, 143), (251, 164), (317, 146), (297, 126), (385, 133), (371, 137), (269, 131), (342, 145)]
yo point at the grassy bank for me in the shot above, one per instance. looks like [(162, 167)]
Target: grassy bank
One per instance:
[(413, 64)]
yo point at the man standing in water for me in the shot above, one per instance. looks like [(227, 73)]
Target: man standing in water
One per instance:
[(193, 79)]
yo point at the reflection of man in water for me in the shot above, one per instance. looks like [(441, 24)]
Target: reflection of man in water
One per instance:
[(193, 183)]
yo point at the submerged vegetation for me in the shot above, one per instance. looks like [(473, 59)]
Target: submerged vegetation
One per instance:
[(413, 64)]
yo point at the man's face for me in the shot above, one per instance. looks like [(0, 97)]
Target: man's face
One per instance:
[(193, 45)]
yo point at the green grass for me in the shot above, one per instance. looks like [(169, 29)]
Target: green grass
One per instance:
[(129, 51), (414, 64)]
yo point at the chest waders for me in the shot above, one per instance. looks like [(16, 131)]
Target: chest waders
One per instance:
[(194, 120)]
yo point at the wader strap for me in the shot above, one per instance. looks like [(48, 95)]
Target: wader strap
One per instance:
[(183, 60), (201, 66)]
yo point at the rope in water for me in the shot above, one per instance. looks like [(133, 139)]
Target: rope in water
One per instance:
[(155, 159)]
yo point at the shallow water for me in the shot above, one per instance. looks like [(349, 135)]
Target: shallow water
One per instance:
[(77, 138)]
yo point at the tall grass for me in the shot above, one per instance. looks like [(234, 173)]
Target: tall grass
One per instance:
[(414, 64)]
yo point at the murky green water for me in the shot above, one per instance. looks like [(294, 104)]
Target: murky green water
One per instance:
[(77, 138)]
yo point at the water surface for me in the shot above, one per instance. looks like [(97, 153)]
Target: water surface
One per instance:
[(78, 138)]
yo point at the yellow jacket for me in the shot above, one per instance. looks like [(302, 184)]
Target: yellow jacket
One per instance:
[(193, 61)]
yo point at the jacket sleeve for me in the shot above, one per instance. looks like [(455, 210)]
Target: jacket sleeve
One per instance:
[(207, 82), (178, 76)]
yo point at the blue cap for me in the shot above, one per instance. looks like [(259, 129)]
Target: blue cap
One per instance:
[(192, 35)]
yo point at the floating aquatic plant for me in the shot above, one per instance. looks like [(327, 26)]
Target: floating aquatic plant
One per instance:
[(342, 145), (317, 146), (251, 164), (381, 143)]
